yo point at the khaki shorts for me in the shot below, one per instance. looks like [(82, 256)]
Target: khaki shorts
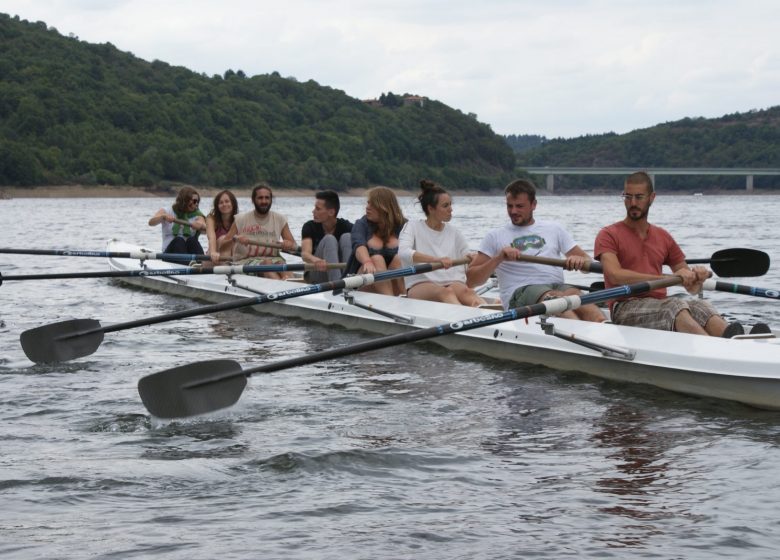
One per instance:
[(659, 314), (528, 295)]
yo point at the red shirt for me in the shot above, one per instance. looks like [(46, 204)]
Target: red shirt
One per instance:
[(637, 254)]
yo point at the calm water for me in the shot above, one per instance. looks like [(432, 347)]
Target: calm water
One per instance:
[(422, 453)]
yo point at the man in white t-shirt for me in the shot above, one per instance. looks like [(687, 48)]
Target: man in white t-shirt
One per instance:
[(524, 283)]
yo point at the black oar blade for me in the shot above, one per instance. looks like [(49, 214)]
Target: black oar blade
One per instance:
[(166, 394), (63, 341), (739, 262)]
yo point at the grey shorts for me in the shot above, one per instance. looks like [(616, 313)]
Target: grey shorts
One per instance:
[(652, 313), (528, 295)]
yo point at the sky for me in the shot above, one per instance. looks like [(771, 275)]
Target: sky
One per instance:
[(557, 68)]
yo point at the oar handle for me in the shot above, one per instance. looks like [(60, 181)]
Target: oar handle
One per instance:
[(183, 222), (273, 245), (590, 266)]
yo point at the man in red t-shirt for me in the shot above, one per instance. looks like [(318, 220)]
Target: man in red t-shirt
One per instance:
[(633, 250)]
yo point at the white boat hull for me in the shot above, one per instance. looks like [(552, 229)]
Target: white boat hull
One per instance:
[(746, 371)]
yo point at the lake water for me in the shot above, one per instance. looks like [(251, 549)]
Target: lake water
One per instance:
[(419, 453)]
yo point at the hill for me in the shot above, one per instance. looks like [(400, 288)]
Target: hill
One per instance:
[(738, 140), (74, 112)]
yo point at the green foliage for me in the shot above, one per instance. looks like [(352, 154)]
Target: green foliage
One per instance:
[(71, 111), (738, 140), (523, 142)]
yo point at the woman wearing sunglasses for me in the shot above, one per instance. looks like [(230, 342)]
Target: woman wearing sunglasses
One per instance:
[(181, 223)]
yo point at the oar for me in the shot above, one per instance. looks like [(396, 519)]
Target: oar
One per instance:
[(725, 263), (232, 269), (142, 254), (183, 222), (75, 338), (750, 266), (206, 386), (712, 284), (273, 245)]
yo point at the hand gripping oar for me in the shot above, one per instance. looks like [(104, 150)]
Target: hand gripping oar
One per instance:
[(142, 254), (225, 269), (75, 338), (206, 386), (726, 262), (271, 245)]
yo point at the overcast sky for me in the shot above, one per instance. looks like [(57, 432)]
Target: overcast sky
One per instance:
[(550, 67)]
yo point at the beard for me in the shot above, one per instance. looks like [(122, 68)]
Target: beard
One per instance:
[(262, 209), (521, 222), (635, 213)]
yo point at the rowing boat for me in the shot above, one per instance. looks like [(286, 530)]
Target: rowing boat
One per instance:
[(744, 370)]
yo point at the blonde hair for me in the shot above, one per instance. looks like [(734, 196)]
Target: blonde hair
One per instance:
[(390, 216)]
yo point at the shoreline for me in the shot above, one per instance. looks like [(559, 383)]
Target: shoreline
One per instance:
[(106, 191)]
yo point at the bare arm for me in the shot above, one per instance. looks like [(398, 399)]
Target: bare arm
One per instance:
[(481, 268), (577, 259), (160, 216), (288, 241)]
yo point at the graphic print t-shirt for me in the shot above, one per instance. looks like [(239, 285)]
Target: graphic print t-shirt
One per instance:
[(543, 239)]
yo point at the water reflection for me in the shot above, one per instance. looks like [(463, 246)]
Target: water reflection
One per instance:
[(637, 451)]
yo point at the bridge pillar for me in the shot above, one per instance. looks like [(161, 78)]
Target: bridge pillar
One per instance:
[(550, 183), (749, 184)]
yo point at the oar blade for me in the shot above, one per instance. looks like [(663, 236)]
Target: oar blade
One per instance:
[(739, 262), (63, 341), (167, 394)]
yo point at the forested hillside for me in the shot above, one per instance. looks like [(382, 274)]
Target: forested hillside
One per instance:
[(739, 140), (74, 112)]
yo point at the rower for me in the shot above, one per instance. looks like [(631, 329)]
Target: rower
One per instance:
[(634, 250), (258, 226)]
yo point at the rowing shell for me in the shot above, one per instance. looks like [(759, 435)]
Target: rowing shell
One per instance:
[(746, 371)]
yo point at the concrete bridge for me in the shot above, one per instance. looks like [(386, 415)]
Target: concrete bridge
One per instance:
[(747, 172)]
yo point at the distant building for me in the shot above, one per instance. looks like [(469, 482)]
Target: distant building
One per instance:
[(415, 100), (405, 100)]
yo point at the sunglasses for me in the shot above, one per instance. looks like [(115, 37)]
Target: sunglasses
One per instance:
[(195, 201)]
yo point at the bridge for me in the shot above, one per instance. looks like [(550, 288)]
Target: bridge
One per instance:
[(747, 172)]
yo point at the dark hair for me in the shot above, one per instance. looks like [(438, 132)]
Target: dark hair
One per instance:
[(259, 186), (331, 199), (183, 198), (215, 213), (520, 186), (430, 194), (640, 178)]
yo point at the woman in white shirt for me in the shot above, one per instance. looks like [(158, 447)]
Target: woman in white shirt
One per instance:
[(435, 240)]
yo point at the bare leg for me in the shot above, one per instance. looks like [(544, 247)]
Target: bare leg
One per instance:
[(398, 285), (465, 295), (433, 292), (715, 325), (385, 287), (684, 322)]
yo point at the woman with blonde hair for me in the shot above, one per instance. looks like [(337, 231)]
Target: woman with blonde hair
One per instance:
[(435, 240), (218, 224), (375, 239)]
